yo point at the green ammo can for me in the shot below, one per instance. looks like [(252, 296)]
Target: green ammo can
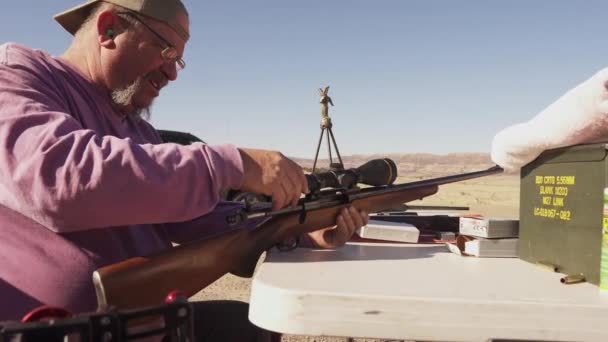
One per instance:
[(562, 211)]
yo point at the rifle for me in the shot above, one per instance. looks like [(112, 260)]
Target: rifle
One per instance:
[(142, 281)]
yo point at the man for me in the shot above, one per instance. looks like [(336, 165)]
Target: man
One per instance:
[(86, 182)]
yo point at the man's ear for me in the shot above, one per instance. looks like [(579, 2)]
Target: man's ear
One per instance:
[(107, 23)]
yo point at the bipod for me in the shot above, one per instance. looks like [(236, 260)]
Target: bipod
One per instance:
[(330, 139)]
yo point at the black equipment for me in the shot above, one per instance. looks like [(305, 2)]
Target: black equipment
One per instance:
[(375, 172), (173, 322)]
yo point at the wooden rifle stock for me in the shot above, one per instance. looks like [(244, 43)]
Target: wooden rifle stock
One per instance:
[(188, 268)]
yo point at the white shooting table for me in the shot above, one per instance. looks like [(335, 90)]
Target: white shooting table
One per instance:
[(421, 292)]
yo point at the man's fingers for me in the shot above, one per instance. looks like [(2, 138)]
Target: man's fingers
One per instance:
[(356, 217), (292, 195), (341, 233), (304, 183), (266, 171), (365, 217), (292, 186), (278, 198), (348, 219), (294, 202), (298, 179), (340, 223)]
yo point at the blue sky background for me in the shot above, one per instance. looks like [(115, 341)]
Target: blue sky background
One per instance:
[(405, 76)]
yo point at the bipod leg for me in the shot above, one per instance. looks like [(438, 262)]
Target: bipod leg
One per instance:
[(314, 165), (335, 145), (329, 146)]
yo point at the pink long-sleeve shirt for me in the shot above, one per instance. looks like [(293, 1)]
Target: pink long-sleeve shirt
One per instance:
[(83, 186)]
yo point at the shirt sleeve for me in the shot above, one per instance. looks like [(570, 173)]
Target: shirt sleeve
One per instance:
[(69, 178)]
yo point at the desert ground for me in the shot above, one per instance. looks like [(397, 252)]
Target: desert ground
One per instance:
[(493, 196)]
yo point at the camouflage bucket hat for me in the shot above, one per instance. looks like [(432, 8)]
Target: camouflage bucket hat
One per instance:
[(162, 10)]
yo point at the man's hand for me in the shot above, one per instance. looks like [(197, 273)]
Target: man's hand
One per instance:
[(271, 173), (349, 220)]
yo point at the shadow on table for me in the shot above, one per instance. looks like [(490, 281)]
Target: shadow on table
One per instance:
[(360, 252)]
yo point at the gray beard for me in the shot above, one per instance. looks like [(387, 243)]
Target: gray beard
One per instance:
[(123, 98)]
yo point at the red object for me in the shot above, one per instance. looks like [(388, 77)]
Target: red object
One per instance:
[(46, 313), (174, 296)]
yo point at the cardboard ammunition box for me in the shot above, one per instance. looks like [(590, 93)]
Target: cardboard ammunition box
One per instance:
[(561, 209)]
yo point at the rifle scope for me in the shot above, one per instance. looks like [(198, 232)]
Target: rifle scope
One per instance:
[(375, 172)]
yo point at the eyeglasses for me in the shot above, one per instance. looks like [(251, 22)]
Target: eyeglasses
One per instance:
[(169, 53)]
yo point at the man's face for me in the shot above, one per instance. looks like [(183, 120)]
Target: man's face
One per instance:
[(137, 70)]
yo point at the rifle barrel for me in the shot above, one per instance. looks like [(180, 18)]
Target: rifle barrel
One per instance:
[(347, 196)]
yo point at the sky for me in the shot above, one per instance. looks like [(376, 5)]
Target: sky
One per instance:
[(405, 76)]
